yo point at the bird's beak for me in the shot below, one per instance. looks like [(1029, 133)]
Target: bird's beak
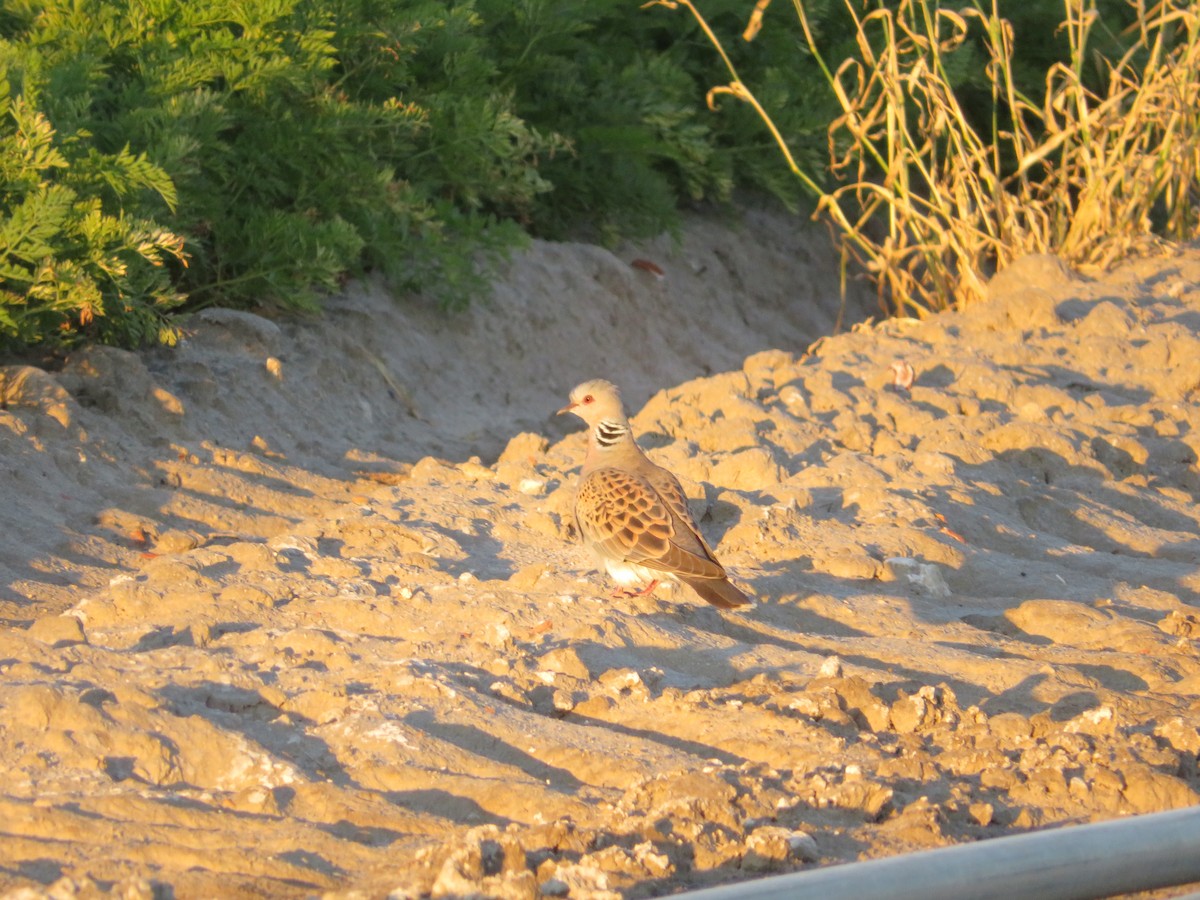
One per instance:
[(570, 407)]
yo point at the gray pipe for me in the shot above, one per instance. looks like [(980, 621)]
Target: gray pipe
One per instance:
[(1080, 862)]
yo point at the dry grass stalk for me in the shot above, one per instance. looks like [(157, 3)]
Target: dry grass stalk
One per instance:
[(930, 207)]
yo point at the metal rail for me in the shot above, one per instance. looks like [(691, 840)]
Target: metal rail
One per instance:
[(1080, 862)]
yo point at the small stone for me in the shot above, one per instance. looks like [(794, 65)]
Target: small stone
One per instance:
[(452, 882), (803, 846), (531, 486), (1027, 818), (1097, 721), (524, 449), (657, 864), (1010, 725), (245, 593), (851, 566), (1182, 735), (792, 397), (58, 631), (766, 848), (255, 800), (594, 707), (806, 705), (621, 679), (831, 668), (981, 813), (999, 779), (566, 661), (925, 576), (495, 634), (475, 470), (770, 847), (909, 714), (176, 541)]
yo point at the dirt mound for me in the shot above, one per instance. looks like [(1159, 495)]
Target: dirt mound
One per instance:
[(273, 631)]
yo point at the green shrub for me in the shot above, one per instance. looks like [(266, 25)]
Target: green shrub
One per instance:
[(625, 88), (286, 128), (303, 141), (69, 270)]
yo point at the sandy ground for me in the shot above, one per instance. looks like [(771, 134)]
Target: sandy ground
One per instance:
[(296, 609)]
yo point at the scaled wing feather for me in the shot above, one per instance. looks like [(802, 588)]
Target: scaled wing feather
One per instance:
[(624, 517)]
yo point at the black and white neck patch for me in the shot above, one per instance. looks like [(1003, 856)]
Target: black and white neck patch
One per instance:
[(609, 432)]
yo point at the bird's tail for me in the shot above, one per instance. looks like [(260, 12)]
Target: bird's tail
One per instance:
[(717, 591)]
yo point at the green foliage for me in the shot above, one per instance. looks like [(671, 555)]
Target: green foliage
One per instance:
[(290, 143), (626, 88), (69, 269), (284, 127)]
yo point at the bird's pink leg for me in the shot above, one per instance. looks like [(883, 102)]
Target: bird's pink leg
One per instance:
[(626, 592)]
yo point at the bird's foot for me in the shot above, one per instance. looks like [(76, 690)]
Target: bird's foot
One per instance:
[(629, 592)]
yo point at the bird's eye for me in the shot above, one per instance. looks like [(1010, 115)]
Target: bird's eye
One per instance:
[(587, 399)]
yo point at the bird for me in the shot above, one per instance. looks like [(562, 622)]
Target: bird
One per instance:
[(633, 514)]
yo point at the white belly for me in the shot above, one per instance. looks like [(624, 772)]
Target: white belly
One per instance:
[(631, 575)]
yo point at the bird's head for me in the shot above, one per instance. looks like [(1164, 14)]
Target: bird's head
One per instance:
[(595, 401)]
